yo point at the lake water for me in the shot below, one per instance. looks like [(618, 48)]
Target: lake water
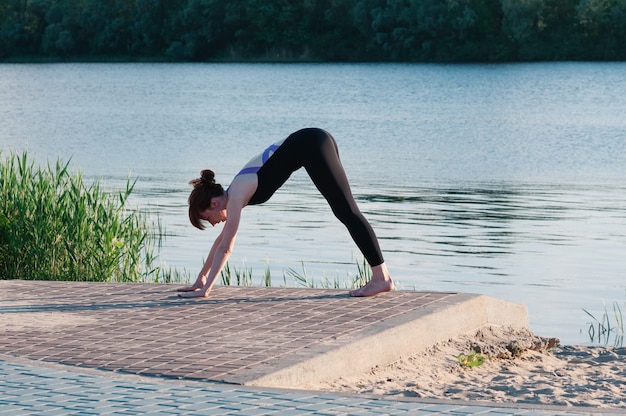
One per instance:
[(505, 180)]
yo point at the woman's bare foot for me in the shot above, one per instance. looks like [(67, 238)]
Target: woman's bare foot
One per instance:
[(381, 282), (374, 287)]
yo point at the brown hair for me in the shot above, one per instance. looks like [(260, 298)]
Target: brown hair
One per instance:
[(204, 189)]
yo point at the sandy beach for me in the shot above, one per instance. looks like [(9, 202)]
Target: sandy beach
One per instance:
[(518, 367)]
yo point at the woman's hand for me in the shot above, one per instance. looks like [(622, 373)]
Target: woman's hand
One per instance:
[(195, 294)]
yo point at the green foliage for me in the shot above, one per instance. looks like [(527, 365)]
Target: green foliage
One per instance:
[(322, 30), (53, 226), (473, 359)]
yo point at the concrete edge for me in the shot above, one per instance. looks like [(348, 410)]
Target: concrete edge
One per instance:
[(388, 341)]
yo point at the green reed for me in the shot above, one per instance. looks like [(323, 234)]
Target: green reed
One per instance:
[(362, 276), (55, 226), (608, 326), (244, 277)]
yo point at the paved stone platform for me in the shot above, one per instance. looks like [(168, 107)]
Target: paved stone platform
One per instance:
[(273, 337), (70, 348)]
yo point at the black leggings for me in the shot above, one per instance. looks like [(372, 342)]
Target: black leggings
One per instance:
[(316, 151)]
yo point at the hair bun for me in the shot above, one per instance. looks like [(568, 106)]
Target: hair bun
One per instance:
[(206, 180), (207, 177)]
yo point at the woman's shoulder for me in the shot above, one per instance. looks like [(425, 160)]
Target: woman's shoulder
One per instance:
[(241, 189)]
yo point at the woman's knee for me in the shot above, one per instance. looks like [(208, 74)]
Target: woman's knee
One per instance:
[(348, 215)]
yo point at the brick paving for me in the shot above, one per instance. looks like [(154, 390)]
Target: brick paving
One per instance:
[(147, 329)]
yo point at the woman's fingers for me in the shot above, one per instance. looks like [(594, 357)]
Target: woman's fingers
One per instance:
[(194, 294)]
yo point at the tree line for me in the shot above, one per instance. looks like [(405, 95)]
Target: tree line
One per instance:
[(313, 30)]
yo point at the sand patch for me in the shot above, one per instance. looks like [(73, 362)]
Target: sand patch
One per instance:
[(518, 367)]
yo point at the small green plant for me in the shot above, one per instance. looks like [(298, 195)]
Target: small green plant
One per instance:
[(55, 226), (267, 277), (364, 274), (301, 278), (226, 275), (243, 275), (473, 359), (601, 330)]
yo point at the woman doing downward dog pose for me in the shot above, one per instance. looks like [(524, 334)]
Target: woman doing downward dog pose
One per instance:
[(311, 148)]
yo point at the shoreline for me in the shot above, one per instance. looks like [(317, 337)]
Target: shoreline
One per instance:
[(519, 368)]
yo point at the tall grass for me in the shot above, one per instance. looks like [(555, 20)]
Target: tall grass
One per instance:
[(54, 226)]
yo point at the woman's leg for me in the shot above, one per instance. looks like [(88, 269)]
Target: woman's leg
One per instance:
[(325, 169)]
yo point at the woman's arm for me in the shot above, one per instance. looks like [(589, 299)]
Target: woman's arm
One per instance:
[(241, 190), (220, 252), (201, 280)]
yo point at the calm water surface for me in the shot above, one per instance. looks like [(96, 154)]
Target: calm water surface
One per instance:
[(506, 180)]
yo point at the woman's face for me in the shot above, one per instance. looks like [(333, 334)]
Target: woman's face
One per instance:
[(213, 215)]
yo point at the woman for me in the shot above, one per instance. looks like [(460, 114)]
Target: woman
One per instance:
[(316, 151)]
